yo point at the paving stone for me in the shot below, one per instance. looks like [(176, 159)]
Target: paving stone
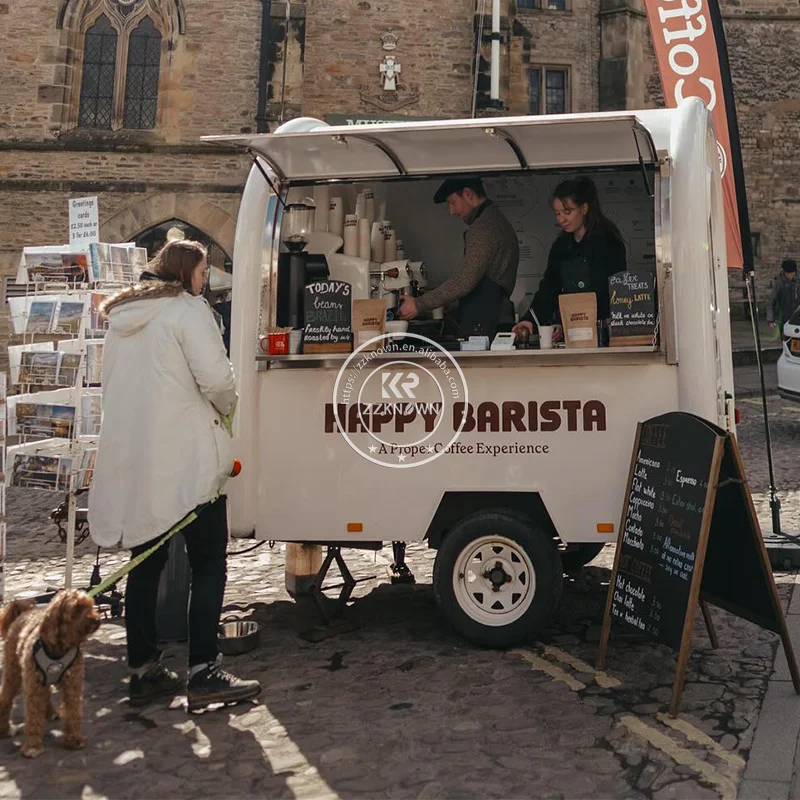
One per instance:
[(682, 790), (764, 790)]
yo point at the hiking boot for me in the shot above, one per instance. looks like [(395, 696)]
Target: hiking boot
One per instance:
[(157, 682), (214, 685)]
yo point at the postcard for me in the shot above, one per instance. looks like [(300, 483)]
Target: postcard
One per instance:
[(35, 472), (68, 369), (25, 373), (59, 420), (96, 322), (64, 473), (40, 316), (44, 368), (70, 315), (100, 261), (17, 307), (91, 414), (26, 419), (121, 268), (94, 363), (87, 468)]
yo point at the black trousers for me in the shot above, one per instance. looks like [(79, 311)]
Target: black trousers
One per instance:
[(206, 545)]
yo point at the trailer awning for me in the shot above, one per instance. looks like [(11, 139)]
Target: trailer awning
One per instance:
[(446, 147)]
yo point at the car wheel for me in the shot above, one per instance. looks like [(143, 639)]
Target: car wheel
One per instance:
[(497, 578)]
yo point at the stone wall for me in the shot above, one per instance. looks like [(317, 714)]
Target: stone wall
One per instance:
[(343, 53), (209, 85)]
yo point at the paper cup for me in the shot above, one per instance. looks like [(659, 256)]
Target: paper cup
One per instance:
[(546, 337)]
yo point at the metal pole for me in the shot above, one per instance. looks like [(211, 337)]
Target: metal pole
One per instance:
[(285, 58), (495, 82), (774, 500)]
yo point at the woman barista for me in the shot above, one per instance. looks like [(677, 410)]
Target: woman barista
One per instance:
[(587, 251)]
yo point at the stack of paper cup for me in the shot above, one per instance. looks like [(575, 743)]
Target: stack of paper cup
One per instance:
[(351, 235), (336, 216), (322, 200), (361, 205), (401, 250), (369, 202), (376, 243), (389, 245), (364, 244)]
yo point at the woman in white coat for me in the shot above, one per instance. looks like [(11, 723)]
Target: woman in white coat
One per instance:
[(168, 395)]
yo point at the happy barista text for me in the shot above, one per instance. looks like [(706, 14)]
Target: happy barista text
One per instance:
[(511, 416)]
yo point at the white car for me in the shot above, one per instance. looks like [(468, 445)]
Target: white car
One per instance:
[(789, 362)]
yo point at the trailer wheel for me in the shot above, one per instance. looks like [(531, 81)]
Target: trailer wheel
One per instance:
[(579, 555), (497, 578)]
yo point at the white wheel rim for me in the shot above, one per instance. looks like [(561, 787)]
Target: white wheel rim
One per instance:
[(494, 581)]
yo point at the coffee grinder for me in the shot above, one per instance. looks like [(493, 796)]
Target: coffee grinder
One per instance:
[(296, 228)]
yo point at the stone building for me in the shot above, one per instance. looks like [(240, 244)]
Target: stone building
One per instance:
[(110, 97)]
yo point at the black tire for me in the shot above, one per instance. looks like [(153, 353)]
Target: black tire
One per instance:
[(578, 556), (524, 623)]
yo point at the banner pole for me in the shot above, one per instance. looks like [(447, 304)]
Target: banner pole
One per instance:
[(747, 242)]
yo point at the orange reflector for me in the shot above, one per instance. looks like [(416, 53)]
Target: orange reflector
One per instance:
[(605, 527), (355, 527), (737, 415)]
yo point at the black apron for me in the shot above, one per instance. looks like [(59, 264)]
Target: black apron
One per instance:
[(483, 307)]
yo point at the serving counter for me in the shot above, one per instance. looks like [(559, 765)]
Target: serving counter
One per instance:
[(559, 356)]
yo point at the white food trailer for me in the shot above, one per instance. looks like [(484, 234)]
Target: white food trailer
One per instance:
[(535, 479)]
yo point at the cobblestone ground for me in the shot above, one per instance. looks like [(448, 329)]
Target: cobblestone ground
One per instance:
[(399, 706)]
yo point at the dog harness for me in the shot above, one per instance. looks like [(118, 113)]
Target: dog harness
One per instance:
[(51, 670)]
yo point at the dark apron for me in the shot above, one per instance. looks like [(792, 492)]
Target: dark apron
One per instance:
[(483, 307)]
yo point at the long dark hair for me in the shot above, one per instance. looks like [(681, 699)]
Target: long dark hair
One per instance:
[(176, 261), (582, 190)]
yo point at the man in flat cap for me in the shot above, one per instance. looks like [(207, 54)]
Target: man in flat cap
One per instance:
[(484, 282)]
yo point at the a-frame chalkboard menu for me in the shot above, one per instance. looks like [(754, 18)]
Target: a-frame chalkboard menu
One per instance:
[(689, 535)]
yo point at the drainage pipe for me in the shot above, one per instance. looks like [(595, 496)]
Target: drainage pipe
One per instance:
[(494, 94)]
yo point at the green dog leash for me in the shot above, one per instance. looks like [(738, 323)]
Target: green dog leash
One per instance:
[(134, 562)]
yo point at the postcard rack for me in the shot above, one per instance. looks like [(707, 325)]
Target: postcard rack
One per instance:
[(55, 364)]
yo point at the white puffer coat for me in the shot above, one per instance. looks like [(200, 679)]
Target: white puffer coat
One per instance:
[(163, 446)]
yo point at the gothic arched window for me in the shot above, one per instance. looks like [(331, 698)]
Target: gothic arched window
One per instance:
[(142, 76), (121, 45), (99, 70)]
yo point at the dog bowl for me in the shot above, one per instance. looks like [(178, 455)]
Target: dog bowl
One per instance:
[(236, 638)]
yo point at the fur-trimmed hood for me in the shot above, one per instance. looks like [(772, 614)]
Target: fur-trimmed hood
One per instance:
[(127, 315)]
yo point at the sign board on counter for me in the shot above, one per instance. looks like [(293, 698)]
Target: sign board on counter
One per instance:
[(327, 313), (632, 298), (689, 535), (84, 222)]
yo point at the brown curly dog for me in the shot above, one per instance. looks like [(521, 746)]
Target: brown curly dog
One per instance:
[(65, 623)]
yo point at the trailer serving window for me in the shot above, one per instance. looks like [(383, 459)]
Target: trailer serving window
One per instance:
[(400, 167)]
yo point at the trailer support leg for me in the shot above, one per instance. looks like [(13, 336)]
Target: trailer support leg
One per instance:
[(348, 584), (399, 571)]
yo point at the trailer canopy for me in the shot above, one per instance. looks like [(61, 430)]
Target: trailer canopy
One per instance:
[(415, 149)]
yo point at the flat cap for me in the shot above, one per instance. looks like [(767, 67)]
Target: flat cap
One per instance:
[(458, 185)]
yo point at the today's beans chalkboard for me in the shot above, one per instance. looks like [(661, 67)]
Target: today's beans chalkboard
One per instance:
[(328, 315), (632, 299), (688, 536)]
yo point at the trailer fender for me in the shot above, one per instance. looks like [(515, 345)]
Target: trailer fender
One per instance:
[(455, 506)]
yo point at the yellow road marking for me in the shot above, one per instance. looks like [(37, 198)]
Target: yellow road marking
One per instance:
[(724, 785), (694, 734), (603, 680), (556, 673)]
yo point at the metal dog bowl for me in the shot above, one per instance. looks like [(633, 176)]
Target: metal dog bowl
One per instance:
[(236, 638)]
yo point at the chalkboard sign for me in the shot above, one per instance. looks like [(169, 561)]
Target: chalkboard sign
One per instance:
[(327, 312), (662, 526), (689, 535), (632, 299)]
